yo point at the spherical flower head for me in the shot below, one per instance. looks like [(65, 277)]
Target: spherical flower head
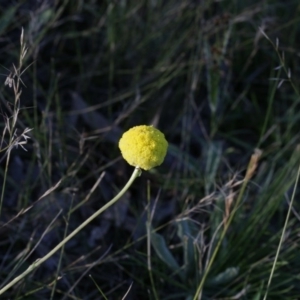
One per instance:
[(143, 146)]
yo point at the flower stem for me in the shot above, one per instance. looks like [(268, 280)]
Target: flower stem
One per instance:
[(136, 173)]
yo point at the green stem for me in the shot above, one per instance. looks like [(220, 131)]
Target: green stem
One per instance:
[(4, 180), (136, 173), (216, 250), (282, 234), (250, 169)]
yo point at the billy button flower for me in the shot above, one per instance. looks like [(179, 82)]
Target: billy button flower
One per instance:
[(143, 147)]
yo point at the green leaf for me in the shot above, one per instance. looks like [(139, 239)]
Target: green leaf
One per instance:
[(228, 275), (7, 17), (213, 79), (212, 156), (259, 293), (187, 232), (161, 249)]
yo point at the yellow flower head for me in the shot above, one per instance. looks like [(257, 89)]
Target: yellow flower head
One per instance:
[(143, 146)]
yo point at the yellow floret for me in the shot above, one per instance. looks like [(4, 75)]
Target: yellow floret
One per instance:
[(143, 146)]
